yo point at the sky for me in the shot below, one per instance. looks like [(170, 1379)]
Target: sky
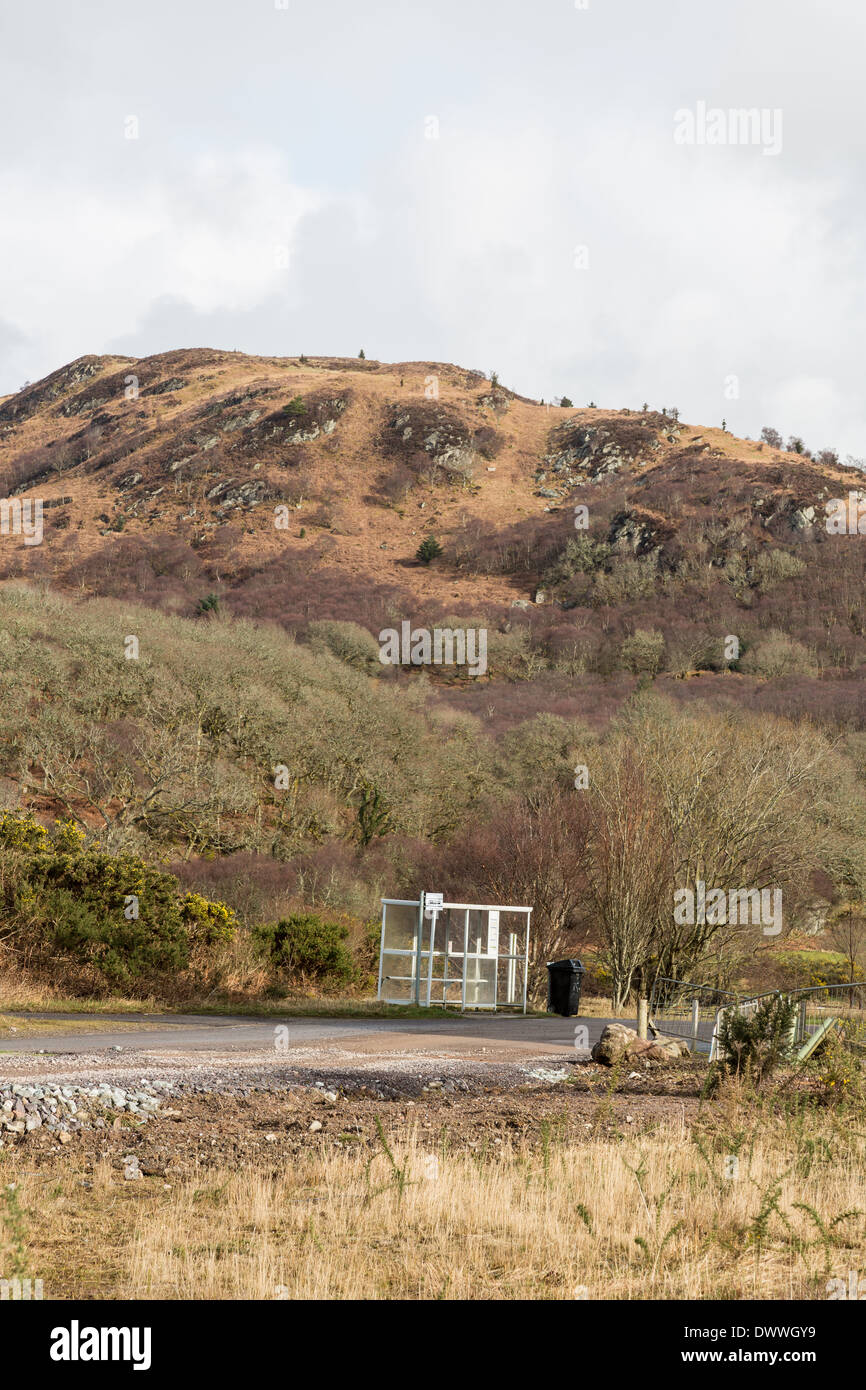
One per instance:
[(557, 192)]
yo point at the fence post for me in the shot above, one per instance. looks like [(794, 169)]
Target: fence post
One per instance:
[(642, 1016), (696, 1016)]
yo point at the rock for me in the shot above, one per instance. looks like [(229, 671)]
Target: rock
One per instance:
[(613, 1043), (618, 1042), (316, 1125), (666, 1050), (64, 1136)]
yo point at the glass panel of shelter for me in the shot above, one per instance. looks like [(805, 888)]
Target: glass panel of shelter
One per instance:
[(478, 959), (399, 955)]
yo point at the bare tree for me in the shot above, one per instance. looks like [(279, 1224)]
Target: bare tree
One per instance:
[(847, 933), (533, 853), (630, 875)]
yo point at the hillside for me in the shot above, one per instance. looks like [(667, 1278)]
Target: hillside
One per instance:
[(174, 494), (257, 745)]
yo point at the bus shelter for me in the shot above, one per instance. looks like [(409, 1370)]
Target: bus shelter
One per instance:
[(460, 955)]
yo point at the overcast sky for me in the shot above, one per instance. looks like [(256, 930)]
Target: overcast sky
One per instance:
[(487, 182)]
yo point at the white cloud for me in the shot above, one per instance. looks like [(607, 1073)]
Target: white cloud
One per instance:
[(90, 260), (263, 129)]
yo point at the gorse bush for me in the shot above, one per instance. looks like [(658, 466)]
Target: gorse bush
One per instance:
[(309, 946), (118, 916), (754, 1043)]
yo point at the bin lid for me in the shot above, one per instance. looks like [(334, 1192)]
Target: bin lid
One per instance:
[(573, 965)]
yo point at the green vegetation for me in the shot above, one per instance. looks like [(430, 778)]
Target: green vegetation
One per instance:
[(230, 764), (113, 914), (304, 946), (753, 1043), (428, 550)]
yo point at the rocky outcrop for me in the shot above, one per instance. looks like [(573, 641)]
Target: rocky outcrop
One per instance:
[(418, 430), (580, 452), (641, 531), (229, 493)]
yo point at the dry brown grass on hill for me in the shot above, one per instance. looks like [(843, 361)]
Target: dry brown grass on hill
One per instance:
[(76, 434)]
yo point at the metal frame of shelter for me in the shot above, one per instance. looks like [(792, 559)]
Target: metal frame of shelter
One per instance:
[(459, 954)]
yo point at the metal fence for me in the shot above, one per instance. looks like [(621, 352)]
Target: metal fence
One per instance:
[(840, 1006), (679, 1008)]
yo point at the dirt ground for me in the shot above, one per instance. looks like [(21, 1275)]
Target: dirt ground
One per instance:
[(262, 1122)]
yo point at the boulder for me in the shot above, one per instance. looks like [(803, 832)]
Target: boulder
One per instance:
[(613, 1043), (617, 1042)]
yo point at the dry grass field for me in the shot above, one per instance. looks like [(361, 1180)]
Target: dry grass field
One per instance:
[(748, 1201)]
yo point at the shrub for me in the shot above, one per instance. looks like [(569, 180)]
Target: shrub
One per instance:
[(581, 555), (839, 1070), (775, 655), (428, 550), (643, 652), (487, 442), (207, 923), (349, 642), (774, 566), (771, 437), (114, 913), (753, 1044), (76, 905), (810, 969), (22, 832), (304, 945)]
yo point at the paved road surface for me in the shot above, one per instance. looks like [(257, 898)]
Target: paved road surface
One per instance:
[(196, 1032)]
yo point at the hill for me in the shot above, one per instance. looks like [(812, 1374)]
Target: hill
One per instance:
[(190, 654), (299, 489)]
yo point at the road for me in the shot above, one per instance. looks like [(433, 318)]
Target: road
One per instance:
[(201, 1033)]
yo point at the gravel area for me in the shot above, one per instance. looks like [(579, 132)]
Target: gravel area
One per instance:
[(158, 1115)]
